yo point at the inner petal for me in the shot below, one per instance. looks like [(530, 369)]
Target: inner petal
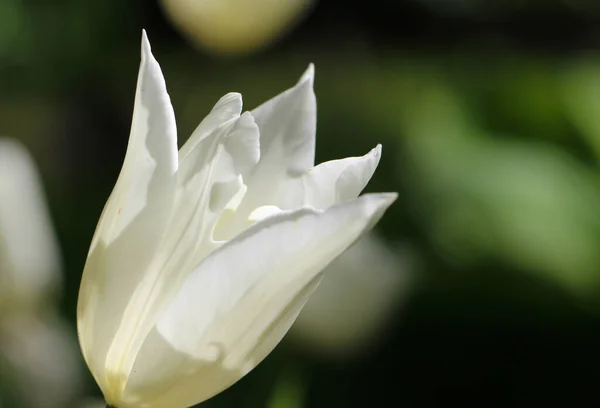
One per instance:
[(329, 183), (263, 212)]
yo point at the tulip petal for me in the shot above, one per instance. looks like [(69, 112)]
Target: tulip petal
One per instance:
[(170, 378), (287, 126), (332, 182), (134, 218), (285, 176), (151, 158), (207, 180), (209, 177), (239, 302), (327, 184), (227, 108)]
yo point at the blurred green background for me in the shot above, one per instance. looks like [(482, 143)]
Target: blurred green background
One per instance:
[(489, 115)]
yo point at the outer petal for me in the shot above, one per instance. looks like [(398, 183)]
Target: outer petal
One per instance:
[(208, 178), (236, 306), (133, 219), (151, 159)]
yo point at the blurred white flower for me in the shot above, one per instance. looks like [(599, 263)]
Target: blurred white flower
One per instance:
[(36, 351), (235, 26), (356, 301), (42, 358), (202, 259), (29, 261)]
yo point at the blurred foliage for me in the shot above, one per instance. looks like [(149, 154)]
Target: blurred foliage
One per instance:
[(522, 200), (490, 121), (288, 393)]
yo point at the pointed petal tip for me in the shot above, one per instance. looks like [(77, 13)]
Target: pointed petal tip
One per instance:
[(376, 151), (146, 49), (376, 154), (373, 156), (391, 197), (308, 76)]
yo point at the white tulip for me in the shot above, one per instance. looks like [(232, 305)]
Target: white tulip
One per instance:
[(29, 255), (203, 258), (235, 26)]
